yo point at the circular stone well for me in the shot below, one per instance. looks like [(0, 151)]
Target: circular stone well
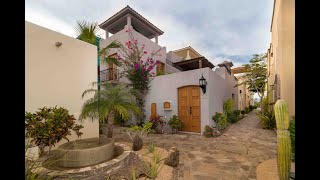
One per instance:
[(85, 152)]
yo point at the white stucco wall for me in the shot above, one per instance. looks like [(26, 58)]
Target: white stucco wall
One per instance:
[(221, 86), (165, 88), (123, 36), (58, 75)]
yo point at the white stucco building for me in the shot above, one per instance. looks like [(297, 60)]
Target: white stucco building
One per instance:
[(58, 69), (177, 92)]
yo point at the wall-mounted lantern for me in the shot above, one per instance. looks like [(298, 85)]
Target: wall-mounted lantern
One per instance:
[(58, 44), (203, 84)]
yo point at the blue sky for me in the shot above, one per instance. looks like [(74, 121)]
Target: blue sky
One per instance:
[(219, 30)]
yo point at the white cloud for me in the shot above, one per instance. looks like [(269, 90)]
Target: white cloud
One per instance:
[(211, 27)]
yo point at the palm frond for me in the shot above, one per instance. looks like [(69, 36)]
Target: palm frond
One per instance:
[(87, 31)]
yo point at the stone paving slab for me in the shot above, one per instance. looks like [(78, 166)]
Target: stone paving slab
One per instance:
[(231, 156)]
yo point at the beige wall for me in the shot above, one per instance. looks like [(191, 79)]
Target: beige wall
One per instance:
[(281, 54), (58, 75), (245, 96)]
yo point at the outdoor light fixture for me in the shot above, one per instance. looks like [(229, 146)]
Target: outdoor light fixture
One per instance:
[(203, 84), (58, 44)]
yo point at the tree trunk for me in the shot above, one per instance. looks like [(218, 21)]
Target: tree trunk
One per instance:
[(110, 124)]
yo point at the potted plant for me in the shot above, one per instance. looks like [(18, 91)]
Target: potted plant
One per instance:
[(175, 123)]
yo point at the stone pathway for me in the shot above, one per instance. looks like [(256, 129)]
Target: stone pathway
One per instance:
[(231, 156)]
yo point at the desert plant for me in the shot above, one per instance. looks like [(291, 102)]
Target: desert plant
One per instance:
[(228, 106), (156, 121), (152, 169), (283, 139), (175, 123), (133, 174), (157, 156), (292, 130), (110, 100), (49, 126), (151, 147), (268, 119), (141, 131)]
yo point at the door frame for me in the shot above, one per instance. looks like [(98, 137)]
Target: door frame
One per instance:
[(199, 103)]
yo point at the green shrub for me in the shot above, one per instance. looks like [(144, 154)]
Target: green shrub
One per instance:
[(247, 110), (232, 117), (237, 113), (216, 117), (255, 107), (228, 106), (49, 126), (208, 131), (175, 123), (243, 111), (265, 104), (257, 104), (292, 130), (268, 119), (251, 107), (119, 120)]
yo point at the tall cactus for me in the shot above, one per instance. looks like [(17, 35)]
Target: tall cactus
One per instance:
[(283, 139)]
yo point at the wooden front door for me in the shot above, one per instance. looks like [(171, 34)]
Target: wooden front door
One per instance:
[(189, 108)]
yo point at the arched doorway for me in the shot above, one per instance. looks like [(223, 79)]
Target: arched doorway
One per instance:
[(189, 109)]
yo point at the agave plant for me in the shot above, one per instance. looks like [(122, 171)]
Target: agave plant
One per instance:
[(108, 101), (268, 119)]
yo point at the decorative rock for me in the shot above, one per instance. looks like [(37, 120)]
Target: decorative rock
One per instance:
[(137, 143), (173, 157)]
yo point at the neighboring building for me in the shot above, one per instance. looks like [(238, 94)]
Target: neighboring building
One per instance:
[(177, 92), (57, 76), (245, 97), (281, 54)]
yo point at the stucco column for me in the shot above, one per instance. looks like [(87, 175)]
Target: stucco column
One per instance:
[(128, 20), (107, 33), (200, 63), (156, 38)]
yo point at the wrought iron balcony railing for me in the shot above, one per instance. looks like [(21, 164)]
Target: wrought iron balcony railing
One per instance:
[(110, 74)]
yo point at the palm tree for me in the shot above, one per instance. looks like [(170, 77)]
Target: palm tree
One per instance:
[(107, 102), (87, 31)]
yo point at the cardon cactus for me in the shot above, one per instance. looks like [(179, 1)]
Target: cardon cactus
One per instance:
[(283, 139)]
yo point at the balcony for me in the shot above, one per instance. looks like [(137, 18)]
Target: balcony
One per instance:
[(110, 74)]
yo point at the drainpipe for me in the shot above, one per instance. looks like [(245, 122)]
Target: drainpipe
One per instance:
[(98, 49)]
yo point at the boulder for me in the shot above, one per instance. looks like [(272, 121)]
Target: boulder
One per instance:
[(173, 157), (137, 143)]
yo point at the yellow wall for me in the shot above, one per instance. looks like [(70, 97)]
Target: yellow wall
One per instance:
[(58, 75), (282, 62)]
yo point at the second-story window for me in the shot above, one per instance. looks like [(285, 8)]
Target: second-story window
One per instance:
[(112, 70), (160, 68)]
